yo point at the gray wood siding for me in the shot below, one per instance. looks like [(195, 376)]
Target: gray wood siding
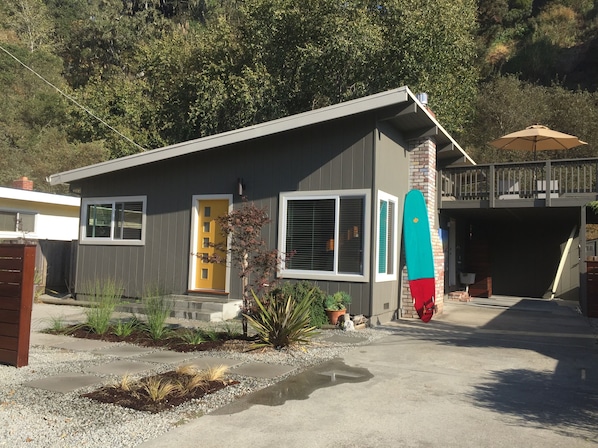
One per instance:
[(392, 177), (337, 155)]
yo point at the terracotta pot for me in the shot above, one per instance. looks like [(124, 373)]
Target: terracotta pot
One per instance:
[(333, 315)]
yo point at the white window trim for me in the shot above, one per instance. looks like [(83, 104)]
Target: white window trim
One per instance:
[(325, 275), (83, 239), (6, 234), (385, 277)]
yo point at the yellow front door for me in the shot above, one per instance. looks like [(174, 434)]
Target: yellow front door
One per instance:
[(210, 275)]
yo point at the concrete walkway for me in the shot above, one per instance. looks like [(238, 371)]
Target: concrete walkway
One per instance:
[(500, 372), (125, 359)]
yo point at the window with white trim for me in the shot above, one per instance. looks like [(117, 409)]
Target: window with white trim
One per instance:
[(324, 234), (13, 221), (386, 237), (114, 220)]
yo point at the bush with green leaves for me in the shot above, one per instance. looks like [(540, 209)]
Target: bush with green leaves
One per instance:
[(281, 322), (299, 290), (104, 296), (157, 309)]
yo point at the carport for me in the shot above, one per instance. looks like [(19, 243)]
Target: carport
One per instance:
[(500, 223)]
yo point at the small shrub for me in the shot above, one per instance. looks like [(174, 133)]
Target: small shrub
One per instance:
[(230, 331), (186, 369), (210, 334), (317, 314), (201, 379), (213, 373), (158, 389), (126, 383), (57, 325), (282, 322), (126, 328), (104, 297), (157, 309), (194, 382), (192, 336)]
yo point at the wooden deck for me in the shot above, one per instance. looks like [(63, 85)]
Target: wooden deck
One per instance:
[(507, 185)]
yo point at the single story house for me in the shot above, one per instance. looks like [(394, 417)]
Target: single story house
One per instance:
[(49, 220), (333, 180)]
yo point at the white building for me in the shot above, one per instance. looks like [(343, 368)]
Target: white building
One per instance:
[(50, 220)]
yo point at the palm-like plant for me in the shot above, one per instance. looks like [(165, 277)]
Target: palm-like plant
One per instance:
[(282, 322)]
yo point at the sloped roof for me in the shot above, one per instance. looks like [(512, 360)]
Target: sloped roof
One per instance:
[(416, 120)]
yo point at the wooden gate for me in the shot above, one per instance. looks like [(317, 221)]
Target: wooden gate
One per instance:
[(17, 268)]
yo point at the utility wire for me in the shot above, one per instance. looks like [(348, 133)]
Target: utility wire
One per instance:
[(70, 98)]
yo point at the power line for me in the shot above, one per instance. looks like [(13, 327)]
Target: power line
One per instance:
[(70, 98)]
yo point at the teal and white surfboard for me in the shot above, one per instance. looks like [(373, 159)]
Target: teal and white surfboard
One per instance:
[(419, 255)]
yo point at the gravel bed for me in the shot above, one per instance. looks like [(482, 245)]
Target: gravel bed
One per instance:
[(35, 418)]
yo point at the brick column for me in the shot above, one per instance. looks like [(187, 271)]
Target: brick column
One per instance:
[(422, 176)]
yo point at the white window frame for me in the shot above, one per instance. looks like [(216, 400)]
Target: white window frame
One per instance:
[(111, 241), (285, 197), (195, 201), (19, 233), (387, 276)]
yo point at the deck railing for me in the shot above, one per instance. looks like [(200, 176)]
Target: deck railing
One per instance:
[(524, 180)]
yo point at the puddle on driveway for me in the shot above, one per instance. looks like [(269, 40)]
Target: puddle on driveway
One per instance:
[(300, 387)]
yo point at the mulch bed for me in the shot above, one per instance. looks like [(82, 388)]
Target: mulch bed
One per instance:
[(140, 400), (173, 342)]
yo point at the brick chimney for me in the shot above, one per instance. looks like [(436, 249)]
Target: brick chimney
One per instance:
[(23, 183)]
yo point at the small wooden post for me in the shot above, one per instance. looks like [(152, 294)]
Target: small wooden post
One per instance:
[(17, 269)]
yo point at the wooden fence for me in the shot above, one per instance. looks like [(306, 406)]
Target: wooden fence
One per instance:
[(17, 270)]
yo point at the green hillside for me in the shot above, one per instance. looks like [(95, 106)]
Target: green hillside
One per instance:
[(84, 81)]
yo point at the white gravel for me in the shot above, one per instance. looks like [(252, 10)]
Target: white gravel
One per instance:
[(36, 418)]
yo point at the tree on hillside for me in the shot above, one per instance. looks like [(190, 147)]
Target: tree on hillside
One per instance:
[(33, 115), (31, 21), (507, 104)]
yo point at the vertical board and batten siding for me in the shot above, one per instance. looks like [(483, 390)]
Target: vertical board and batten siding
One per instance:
[(17, 267), (330, 156), (392, 177)]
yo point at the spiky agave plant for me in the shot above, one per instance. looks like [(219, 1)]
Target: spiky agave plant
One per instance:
[(281, 322)]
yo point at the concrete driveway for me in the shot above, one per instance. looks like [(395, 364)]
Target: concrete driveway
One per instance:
[(501, 372)]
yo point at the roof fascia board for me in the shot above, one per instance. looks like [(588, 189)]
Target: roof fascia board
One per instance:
[(38, 196), (340, 110)]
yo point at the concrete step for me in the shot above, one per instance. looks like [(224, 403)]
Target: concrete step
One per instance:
[(206, 309)]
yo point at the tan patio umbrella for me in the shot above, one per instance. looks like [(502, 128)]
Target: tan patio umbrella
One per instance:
[(537, 138)]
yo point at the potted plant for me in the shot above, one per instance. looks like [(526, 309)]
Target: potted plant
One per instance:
[(336, 305)]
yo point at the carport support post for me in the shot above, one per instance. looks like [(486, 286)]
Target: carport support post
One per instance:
[(492, 186), (548, 179), (583, 266), (423, 176)]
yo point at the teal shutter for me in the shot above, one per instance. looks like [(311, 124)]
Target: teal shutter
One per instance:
[(382, 243)]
